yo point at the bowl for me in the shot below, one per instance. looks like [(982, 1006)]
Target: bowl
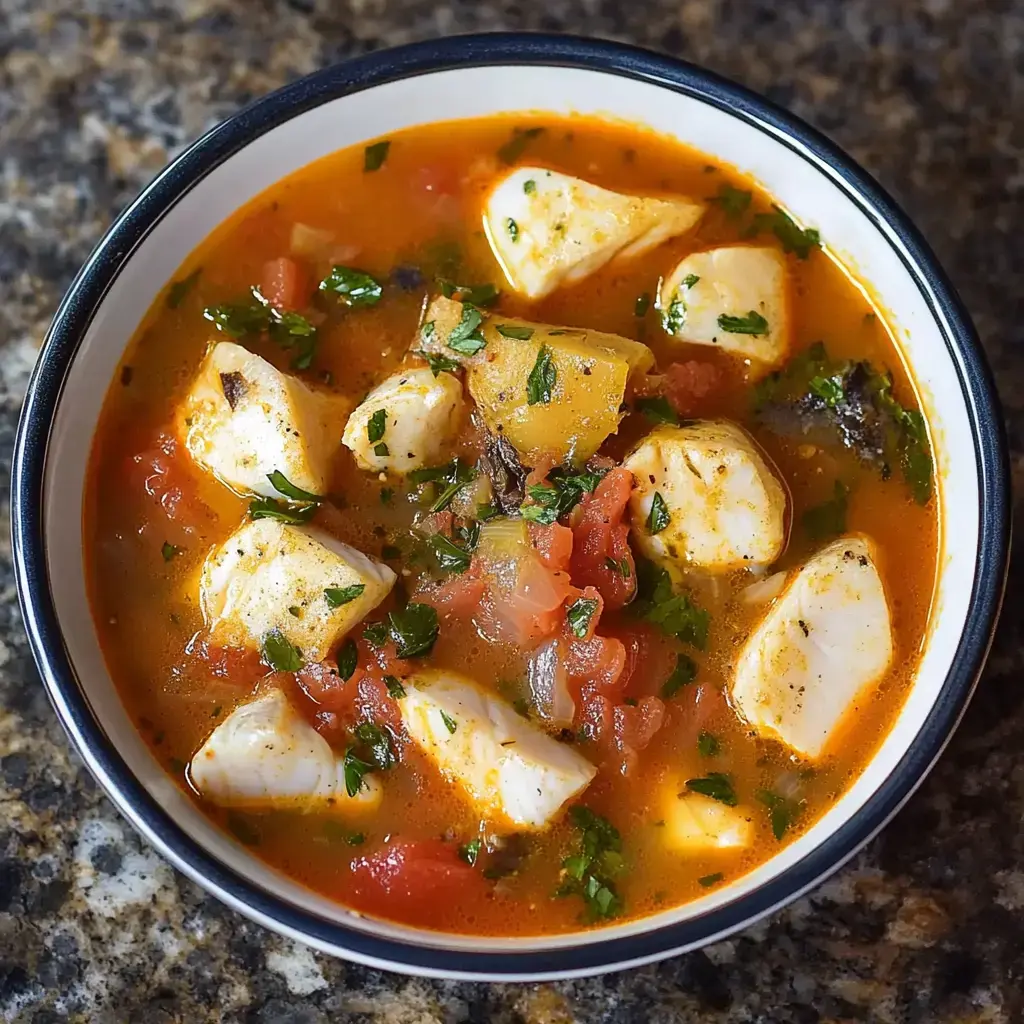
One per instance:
[(465, 77)]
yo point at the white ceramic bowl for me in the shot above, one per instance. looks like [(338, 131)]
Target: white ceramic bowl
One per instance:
[(463, 78)]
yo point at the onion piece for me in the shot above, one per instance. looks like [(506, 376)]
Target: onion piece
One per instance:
[(545, 672), (764, 590)]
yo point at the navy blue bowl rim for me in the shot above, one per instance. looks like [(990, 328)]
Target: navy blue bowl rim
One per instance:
[(593, 953)]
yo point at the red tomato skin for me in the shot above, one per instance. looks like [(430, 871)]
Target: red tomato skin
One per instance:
[(553, 544), (687, 385), (286, 284), (600, 541)]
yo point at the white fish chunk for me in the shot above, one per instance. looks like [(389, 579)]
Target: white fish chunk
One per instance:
[(422, 414), (826, 641), (696, 824), (735, 298), (243, 419), (548, 229), (266, 755), (721, 505), (517, 776), (269, 575)]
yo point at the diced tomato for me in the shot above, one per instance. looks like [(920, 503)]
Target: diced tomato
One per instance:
[(686, 385), (286, 284), (634, 726), (456, 598), (553, 544), (235, 664), (437, 522), (362, 698), (650, 658), (601, 556), (163, 472), (411, 879)]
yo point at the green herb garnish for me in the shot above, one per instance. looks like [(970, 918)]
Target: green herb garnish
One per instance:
[(541, 382), (511, 331), (450, 557), (465, 337), (709, 880), (414, 629), (354, 768), (793, 239), (673, 318), (752, 323), (339, 596), (657, 409), (395, 687), (280, 654), (708, 745), (353, 287), (579, 614), (589, 873), (438, 364), (469, 852), (734, 201), (449, 723), (284, 486), (377, 743), (690, 280), (529, 186), (376, 633), (512, 150), (658, 518), (563, 491), (348, 659), (512, 228), (829, 518), (375, 154), (682, 675), (179, 289), (782, 812), (270, 508), (474, 294), (376, 425), (716, 785), (169, 551), (672, 613)]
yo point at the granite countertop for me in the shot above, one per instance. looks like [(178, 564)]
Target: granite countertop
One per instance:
[(927, 925)]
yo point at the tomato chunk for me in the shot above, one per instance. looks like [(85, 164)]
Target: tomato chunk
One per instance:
[(411, 879), (601, 556), (286, 284), (686, 385), (553, 544), (163, 472)]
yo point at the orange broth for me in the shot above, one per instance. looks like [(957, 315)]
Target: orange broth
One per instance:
[(423, 208)]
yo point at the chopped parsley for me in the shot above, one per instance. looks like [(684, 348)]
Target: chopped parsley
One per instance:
[(563, 491), (353, 287), (541, 382), (381, 450), (376, 633), (438, 364), (469, 852), (271, 508), (395, 687), (658, 518), (642, 304), (709, 880), (708, 745), (716, 785), (621, 567), (465, 337), (512, 228), (179, 289), (657, 409), (782, 811), (376, 742), (284, 486), (512, 150), (674, 614), (690, 280), (237, 319), (733, 201), (793, 239), (829, 389), (529, 186), (752, 323), (673, 318), (348, 659), (682, 675), (375, 154), (453, 474), (579, 614), (339, 596), (449, 723), (376, 425), (511, 331), (414, 629), (589, 873), (450, 557), (280, 654), (354, 768), (829, 518), (474, 294), (169, 551)]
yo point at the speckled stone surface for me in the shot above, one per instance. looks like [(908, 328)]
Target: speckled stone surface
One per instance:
[(926, 926)]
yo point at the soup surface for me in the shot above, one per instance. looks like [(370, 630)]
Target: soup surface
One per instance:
[(636, 520)]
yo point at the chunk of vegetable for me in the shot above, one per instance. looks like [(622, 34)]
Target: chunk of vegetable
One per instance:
[(588, 373), (825, 642), (243, 420), (561, 229), (696, 824), (736, 298), (266, 567), (706, 497), (265, 755), (407, 422), (516, 775)]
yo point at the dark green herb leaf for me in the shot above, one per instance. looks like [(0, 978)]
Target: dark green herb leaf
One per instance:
[(783, 812), (752, 323), (338, 596), (734, 201), (387, 495), (376, 633), (238, 319), (579, 614), (658, 518), (642, 304), (280, 654), (529, 186), (295, 610), (380, 450), (709, 880), (376, 425), (348, 658), (690, 280), (621, 567), (716, 785), (511, 331), (682, 675), (488, 511), (395, 687), (375, 154), (470, 851), (449, 723), (564, 490), (353, 287), (450, 557), (169, 551), (541, 382), (657, 409), (829, 518), (512, 228), (414, 629), (589, 872), (270, 508), (377, 742), (355, 768), (793, 239), (708, 745), (284, 486), (673, 318), (177, 292), (829, 389), (438, 364), (474, 294), (512, 150), (356, 839), (672, 613), (465, 337)]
